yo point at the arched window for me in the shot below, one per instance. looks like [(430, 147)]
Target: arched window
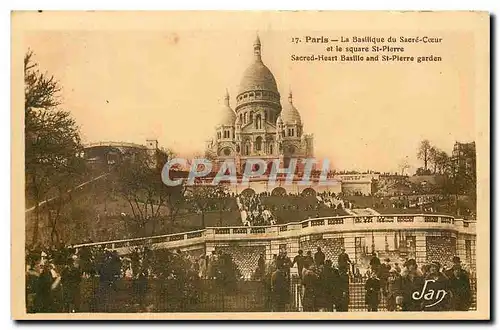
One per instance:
[(258, 122), (271, 148), (258, 144), (241, 118)]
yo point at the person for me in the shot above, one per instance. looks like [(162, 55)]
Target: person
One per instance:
[(71, 277), (107, 280), (261, 267), (212, 265), (309, 282), (342, 291), (280, 289), (456, 264), (272, 265), (357, 275), (319, 257), (45, 284), (437, 282), (299, 261), (202, 266), (328, 280), (31, 280), (425, 270), (308, 260), (393, 290), (135, 261), (267, 281), (372, 287), (374, 263), (285, 263), (85, 256), (140, 287), (383, 274), (343, 260), (397, 268), (411, 282), (460, 288)]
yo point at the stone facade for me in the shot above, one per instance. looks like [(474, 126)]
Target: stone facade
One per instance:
[(397, 238)]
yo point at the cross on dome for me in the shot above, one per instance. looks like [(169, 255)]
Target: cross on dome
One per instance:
[(226, 98), (257, 47)]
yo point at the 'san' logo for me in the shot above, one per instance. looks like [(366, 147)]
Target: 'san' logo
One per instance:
[(430, 295)]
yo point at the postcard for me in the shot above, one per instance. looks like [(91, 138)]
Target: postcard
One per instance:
[(314, 165)]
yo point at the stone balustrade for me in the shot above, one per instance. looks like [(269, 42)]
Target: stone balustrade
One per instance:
[(326, 225)]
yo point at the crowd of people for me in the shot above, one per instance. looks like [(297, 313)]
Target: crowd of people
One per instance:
[(325, 287), (253, 212), (260, 209), (331, 200), (54, 276), (322, 285), (213, 200)]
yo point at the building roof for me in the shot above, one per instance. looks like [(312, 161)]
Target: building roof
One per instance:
[(257, 76), (227, 116), (290, 114)]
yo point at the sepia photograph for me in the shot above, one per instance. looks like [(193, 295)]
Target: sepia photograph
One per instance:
[(250, 165)]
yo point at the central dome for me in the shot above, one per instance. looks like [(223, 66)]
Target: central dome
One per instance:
[(257, 76)]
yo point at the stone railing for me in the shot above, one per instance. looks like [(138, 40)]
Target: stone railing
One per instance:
[(339, 224), (114, 144)]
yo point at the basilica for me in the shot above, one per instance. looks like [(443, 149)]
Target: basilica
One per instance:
[(261, 125)]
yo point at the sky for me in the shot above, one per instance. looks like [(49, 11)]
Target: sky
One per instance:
[(132, 85)]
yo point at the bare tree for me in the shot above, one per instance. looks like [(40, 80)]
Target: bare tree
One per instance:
[(441, 161), (52, 140), (58, 213), (141, 186), (423, 153), (175, 199), (202, 196), (404, 165), (40, 90)]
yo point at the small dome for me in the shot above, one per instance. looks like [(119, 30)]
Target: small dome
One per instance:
[(227, 115), (289, 113)]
